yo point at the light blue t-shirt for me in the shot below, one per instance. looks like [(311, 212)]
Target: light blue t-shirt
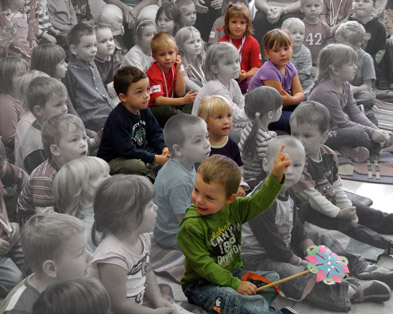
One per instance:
[(174, 184), (131, 3)]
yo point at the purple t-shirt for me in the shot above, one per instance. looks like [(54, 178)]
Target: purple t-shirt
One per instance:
[(269, 71)]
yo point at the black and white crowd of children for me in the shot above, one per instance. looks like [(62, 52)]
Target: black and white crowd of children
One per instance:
[(177, 122)]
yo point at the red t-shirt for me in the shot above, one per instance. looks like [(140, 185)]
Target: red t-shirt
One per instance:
[(161, 83), (250, 52)]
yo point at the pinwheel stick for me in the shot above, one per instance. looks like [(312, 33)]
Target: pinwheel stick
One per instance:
[(283, 280)]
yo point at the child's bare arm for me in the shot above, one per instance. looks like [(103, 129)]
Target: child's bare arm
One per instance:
[(114, 279), (161, 159), (180, 85), (287, 99), (281, 164), (245, 75), (153, 294)]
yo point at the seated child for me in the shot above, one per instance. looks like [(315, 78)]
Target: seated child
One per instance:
[(317, 33), (74, 189), (11, 254), (82, 296), (217, 113), (352, 34), (374, 41), (167, 85), (320, 185), (263, 106), (187, 12), (187, 139), (238, 31), (46, 97), (222, 67), (275, 240), (139, 56), (64, 139), (122, 258), (14, 24), (105, 58), (279, 73), (54, 246), (352, 133), (301, 55), (132, 139), (168, 18), (83, 81), (210, 236), (11, 110), (192, 50)]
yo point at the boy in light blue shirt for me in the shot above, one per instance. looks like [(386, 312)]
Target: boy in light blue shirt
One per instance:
[(187, 139)]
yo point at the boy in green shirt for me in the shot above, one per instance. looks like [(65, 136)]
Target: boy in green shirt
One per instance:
[(213, 226)]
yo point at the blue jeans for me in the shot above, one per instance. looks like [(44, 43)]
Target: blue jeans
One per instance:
[(227, 300), (283, 123)]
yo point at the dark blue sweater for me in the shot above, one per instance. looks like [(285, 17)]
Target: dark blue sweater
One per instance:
[(127, 135)]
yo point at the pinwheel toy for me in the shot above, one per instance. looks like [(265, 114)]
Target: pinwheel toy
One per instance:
[(328, 266)]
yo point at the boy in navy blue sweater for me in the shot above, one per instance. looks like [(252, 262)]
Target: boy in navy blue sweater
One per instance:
[(132, 141)]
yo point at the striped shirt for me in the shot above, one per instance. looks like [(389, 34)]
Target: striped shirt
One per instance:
[(37, 195), (253, 165)]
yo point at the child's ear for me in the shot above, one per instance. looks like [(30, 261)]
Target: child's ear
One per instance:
[(213, 68), (122, 97), (177, 150), (231, 198), (357, 46), (324, 137), (270, 115), (49, 268), (37, 111), (266, 53), (265, 165), (73, 49), (54, 150), (154, 56)]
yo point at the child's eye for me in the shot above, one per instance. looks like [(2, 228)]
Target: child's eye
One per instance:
[(209, 197)]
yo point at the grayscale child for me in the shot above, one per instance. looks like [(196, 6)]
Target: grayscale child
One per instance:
[(222, 68), (276, 240), (54, 246), (321, 187), (64, 139), (301, 55), (132, 139), (263, 106), (46, 97), (187, 11), (352, 34), (210, 236), (187, 139), (83, 81)]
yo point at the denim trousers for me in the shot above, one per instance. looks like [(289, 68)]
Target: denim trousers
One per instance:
[(11, 266), (226, 300)]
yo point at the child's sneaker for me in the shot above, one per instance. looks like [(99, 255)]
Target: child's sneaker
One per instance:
[(288, 310), (369, 291), (356, 154), (374, 272)]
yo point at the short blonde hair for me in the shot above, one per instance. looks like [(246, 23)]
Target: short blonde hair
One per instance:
[(162, 39), (352, 32), (44, 235), (56, 127), (213, 105), (292, 22), (76, 183), (222, 170)]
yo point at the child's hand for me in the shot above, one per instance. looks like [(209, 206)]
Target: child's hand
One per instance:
[(216, 4), (241, 191), (281, 164), (165, 152), (348, 213), (242, 75), (160, 159), (189, 97), (247, 288), (165, 310), (5, 246), (54, 31), (178, 62), (50, 38), (379, 136)]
